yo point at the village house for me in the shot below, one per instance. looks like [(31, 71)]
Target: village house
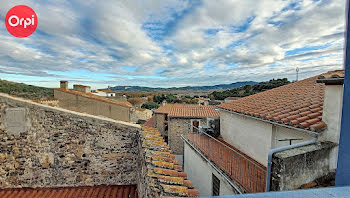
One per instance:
[(258, 133), (81, 99), (173, 120), (104, 93)]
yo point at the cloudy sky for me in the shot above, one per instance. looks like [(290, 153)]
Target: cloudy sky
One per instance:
[(165, 43)]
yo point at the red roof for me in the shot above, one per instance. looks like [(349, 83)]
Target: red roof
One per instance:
[(71, 192), (151, 122), (181, 110), (299, 104)]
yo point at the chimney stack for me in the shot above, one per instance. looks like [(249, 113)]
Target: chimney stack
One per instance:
[(332, 109), (64, 84), (82, 88)]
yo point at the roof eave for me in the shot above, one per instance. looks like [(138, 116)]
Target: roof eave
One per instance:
[(275, 123), (331, 81)]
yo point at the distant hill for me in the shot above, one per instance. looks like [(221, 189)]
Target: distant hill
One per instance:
[(25, 91), (248, 90), (204, 88)]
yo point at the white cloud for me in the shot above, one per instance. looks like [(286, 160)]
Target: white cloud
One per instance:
[(174, 43)]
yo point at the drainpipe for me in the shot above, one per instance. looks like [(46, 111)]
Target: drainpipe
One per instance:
[(273, 151)]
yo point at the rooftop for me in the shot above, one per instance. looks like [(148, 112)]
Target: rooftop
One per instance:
[(72, 192), (151, 122), (164, 174), (106, 90), (299, 104), (181, 110), (95, 97)]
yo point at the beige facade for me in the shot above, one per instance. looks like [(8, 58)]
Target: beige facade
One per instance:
[(82, 103)]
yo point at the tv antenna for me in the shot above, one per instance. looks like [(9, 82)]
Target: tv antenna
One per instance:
[(297, 70)]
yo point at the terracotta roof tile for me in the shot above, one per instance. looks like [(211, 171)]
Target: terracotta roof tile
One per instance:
[(166, 175), (297, 104), (180, 110), (71, 192), (95, 97), (333, 74)]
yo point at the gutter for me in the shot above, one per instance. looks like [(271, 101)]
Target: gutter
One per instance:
[(273, 151)]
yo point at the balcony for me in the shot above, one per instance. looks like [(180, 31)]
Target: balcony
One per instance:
[(246, 172)]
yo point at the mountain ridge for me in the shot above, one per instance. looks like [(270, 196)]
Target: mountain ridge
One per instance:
[(204, 88)]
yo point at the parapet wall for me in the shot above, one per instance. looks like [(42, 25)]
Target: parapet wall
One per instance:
[(43, 146), (291, 169)]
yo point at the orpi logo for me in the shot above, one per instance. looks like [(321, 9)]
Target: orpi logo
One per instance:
[(21, 21)]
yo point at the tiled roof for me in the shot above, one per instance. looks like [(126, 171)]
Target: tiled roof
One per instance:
[(95, 97), (107, 90), (181, 110), (332, 74), (332, 78), (164, 173), (299, 104), (71, 192), (151, 122)]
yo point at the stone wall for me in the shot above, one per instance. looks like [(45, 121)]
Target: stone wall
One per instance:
[(92, 106), (160, 120), (42, 146), (177, 127), (293, 168)]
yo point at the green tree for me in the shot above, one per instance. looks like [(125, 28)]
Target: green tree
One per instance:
[(150, 105)]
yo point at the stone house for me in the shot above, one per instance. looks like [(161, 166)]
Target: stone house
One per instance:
[(173, 120), (81, 99), (307, 112)]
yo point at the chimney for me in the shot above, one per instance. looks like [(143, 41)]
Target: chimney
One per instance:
[(64, 84), (82, 88), (164, 102), (332, 109)]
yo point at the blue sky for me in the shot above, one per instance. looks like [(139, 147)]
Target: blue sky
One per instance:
[(167, 43)]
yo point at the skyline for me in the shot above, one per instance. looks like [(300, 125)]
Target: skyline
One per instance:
[(173, 43)]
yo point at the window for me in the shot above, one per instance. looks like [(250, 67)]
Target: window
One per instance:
[(216, 185), (195, 125)]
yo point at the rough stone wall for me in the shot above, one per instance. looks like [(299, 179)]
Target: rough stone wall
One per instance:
[(296, 167), (177, 127), (144, 114), (160, 119), (92, 106), (42, 146)]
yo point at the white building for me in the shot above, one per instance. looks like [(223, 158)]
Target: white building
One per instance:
[(104, 93), (251, 126)]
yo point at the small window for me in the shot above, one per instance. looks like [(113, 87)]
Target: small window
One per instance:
[(216, 185), (195, 126)]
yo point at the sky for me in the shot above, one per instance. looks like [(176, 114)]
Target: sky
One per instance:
[(173, 43)]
